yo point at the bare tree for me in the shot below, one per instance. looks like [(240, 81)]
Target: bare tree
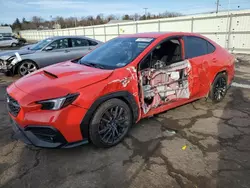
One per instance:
[(37, 20), (38, 23)]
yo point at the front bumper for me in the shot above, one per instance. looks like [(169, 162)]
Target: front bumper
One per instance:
[(7, 64), (27, 115), (43, 136), (3, 66)]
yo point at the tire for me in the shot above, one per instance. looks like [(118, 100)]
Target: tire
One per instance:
[(8, 73), (110, 123), (14, 44), (26, 67), (219, 88)]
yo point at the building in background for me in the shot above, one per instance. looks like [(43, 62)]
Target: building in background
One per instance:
[(56, 26), (5, 31)]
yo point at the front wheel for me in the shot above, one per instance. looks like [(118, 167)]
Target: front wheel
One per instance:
[(219, 88), (110, 123), (26, 67)]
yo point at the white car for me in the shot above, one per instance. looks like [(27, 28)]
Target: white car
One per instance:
[(8, 41)]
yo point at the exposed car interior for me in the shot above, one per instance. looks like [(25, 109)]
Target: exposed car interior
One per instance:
[(164, 75)]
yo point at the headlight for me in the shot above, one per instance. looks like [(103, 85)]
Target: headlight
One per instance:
[(10, 60), (59, 103)]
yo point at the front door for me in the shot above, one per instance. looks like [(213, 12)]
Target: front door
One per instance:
[(164, 76), (58, 52)]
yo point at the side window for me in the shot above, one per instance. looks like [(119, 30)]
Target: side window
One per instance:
[(164, 54), (92, 43), (60, 44), (145, 62), (79, 42), (210, 48), (6, 38), (195, 46)]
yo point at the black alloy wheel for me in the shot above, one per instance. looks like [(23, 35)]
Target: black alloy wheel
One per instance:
[(110, 123), (219, 88), (113, 125)]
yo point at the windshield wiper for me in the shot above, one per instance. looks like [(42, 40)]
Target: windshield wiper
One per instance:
[(92, 65)]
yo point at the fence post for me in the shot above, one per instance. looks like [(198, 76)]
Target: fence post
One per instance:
[(105, 37), (229, 31), (118, 28), (83, 31), (93, 32), (159, 25), (192, 25), (136, 27)]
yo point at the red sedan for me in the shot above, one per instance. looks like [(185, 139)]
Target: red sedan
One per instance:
[(99, 97)]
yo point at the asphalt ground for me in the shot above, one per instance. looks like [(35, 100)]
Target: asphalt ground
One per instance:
[(198, 145)]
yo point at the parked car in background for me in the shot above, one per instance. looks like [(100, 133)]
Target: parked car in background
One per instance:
[(124, 80), (8, 41), (21, 41), (46, 52)]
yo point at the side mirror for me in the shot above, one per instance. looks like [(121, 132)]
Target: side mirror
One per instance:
[(48, 48)]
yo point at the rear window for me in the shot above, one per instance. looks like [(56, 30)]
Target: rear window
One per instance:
[(92, 43), (7, 38), (210, 48), (195, 46), (77, 42)]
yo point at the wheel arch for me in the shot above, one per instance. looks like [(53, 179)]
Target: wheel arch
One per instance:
[(15, 67), (125, 96), (224, 71)]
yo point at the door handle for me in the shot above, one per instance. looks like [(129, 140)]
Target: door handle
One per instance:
[(66, 51)]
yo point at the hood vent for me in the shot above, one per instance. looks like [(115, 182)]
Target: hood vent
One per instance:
[(50, 74)]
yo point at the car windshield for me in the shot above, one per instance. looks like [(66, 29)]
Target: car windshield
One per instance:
[(41, 44), (116, 53)]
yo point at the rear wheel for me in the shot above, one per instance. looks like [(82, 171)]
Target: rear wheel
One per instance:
[(13, 44), (110, 123), (26, 67), (219, 88)]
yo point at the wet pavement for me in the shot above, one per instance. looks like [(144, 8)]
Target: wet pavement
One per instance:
[(196, 145)]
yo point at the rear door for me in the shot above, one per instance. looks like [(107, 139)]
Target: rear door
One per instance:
[(196, 51), (80, 47)]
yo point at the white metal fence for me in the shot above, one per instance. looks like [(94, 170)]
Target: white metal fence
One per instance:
[(229, 29)]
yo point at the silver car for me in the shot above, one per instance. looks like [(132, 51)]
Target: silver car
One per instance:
[(46, 52), (8, 41)]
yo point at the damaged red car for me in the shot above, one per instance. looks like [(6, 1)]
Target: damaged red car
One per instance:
[(99, 97)]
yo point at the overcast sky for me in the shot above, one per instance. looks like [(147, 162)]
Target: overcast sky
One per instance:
[(12, 9)]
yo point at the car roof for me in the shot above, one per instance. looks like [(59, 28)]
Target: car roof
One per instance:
[(82, 37), (158, 34)]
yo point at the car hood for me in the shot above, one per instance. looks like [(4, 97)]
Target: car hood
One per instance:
[(60, 79), (6, 54)]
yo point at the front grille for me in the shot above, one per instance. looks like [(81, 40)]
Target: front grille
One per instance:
[(13, 106)]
